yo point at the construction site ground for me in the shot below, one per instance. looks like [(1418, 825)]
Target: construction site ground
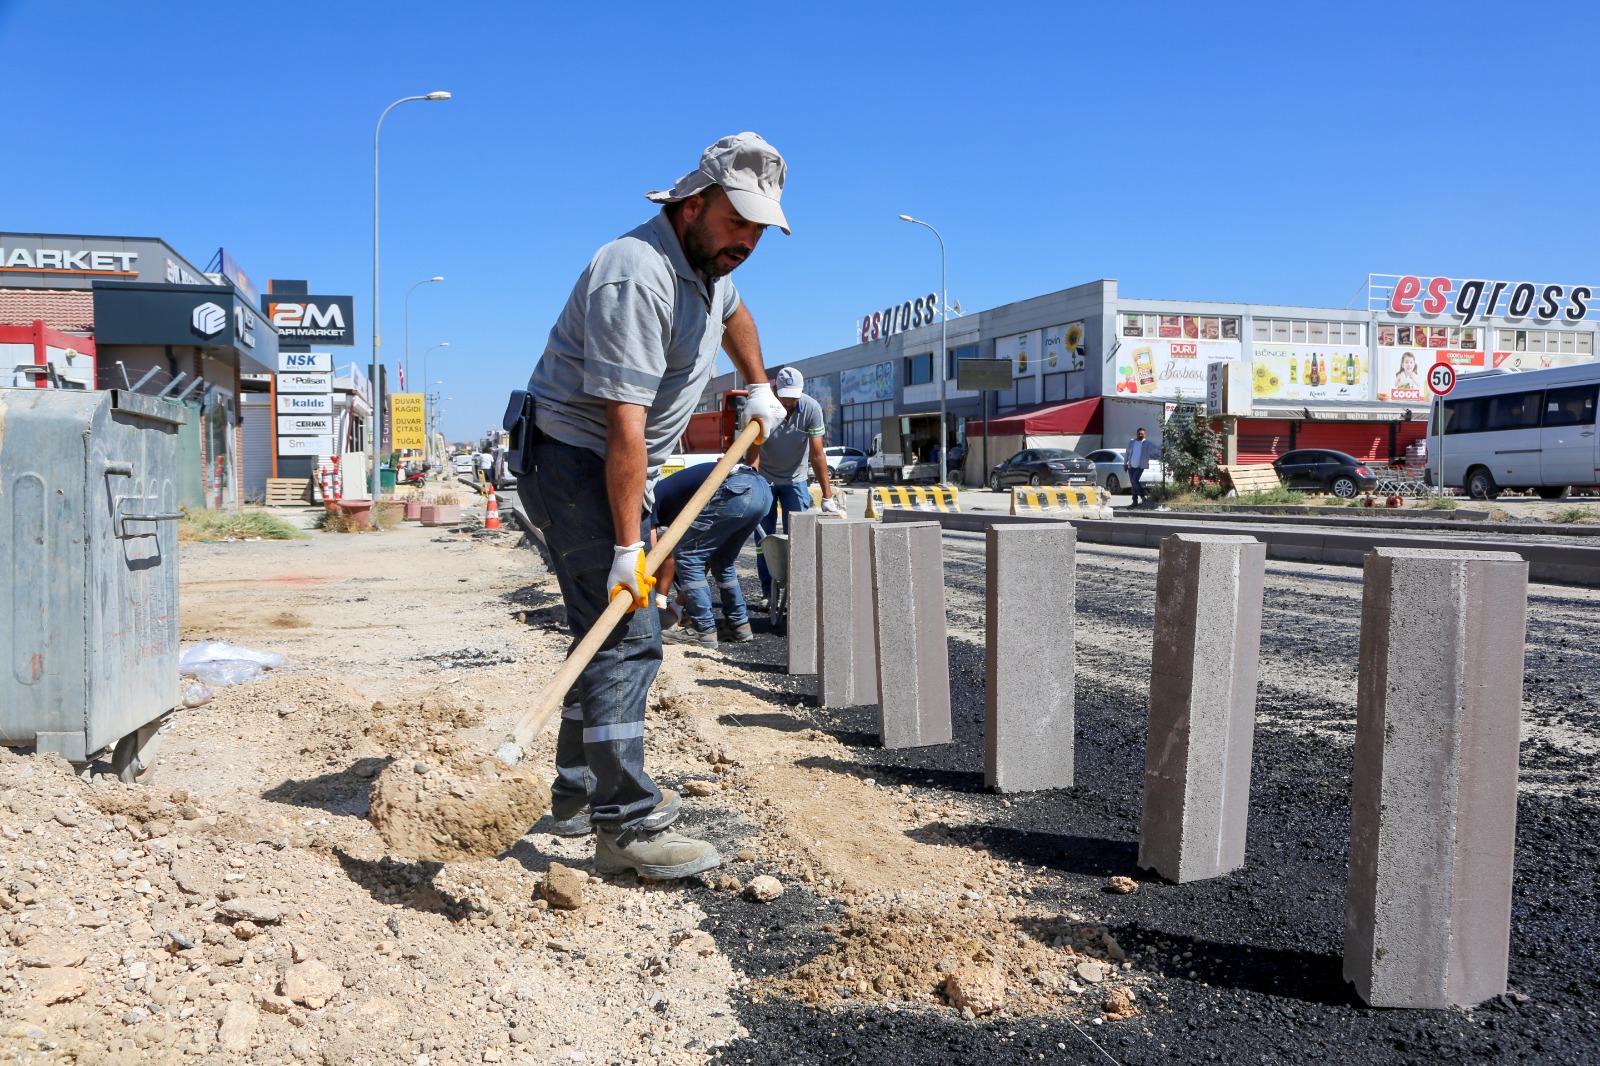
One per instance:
[(240, 908)]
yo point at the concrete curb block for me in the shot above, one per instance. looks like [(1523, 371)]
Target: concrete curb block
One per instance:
[(1559, 564)]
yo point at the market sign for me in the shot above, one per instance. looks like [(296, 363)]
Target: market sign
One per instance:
[(307, 319), (406, 418), (880, 325), (1474, 299)]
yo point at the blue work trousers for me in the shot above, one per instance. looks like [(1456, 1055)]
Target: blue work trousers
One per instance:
[(1136, 483), (600, 748), (711, 546), (793, 497)]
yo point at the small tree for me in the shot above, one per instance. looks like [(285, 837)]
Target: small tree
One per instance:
[(1190, 445)]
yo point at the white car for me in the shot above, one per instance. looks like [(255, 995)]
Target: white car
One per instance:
[(846, 464), (1111, 475), (463, 464)]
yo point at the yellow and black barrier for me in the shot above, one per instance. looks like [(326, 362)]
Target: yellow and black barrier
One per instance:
[(1073, 501), (912, 498)]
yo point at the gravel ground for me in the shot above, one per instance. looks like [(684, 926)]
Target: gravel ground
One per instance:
[(1247, 968)]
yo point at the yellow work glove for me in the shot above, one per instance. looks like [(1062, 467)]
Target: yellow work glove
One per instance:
[(628, 576)]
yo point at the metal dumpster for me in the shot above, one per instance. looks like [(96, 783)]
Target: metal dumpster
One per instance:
[(88, 572)]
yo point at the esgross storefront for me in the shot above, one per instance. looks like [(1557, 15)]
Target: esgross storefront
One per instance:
[(1347, 379), (150, 318)]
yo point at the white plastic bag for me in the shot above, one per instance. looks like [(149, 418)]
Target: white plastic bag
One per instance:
[(219, 664)]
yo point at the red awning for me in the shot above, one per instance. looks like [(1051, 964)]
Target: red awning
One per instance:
[(1058, 419)]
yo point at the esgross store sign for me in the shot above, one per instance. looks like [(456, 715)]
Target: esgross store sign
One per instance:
[(892, 320), (1474, 299)]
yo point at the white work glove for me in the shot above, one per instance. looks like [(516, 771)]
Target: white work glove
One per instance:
[(763, 406), (831, 506), (627, 575)]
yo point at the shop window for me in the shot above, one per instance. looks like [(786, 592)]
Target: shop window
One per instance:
[(1352, 333), (1026, 393), (1181, 327), (1318, 332), (1560, 341), (1261, 330), (919, 368), (1055, 387), (965, 351), (1298, 332), (1280, 330)]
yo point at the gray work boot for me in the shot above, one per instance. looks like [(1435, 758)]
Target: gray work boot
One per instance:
[(688, 634), (731, 634), (577, 825), (662, 854)]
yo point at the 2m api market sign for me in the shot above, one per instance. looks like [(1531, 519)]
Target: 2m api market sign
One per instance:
[(1475, 299), (311, 319)]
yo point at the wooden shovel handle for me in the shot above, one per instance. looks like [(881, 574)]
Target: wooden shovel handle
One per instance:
[(549, 698)]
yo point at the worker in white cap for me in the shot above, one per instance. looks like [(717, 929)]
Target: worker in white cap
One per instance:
[(620, 375), (796, 443)]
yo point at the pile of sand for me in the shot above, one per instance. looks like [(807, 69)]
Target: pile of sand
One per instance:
[(451, 803)]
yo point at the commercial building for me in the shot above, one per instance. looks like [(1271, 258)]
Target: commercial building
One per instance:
[(1095, 365), (96, 312)]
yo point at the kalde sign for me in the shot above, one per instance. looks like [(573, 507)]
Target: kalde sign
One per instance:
[(1472, 299)]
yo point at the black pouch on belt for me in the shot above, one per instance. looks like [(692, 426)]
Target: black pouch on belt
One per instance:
[(518, 422)]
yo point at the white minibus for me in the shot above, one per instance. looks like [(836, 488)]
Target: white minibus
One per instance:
[(1529, 430)]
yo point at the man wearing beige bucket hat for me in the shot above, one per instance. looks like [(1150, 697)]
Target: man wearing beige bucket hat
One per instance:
[(620, 375)]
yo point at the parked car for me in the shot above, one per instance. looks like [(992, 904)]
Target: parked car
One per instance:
[(1111, 475), (1325, 471), (1042, 466), (851, 468), (463, 464), (849, 459)]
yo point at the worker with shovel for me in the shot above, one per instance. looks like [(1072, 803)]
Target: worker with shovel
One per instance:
[(621, 373)]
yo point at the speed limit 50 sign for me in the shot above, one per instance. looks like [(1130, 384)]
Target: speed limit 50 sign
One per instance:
[(1441, 378)]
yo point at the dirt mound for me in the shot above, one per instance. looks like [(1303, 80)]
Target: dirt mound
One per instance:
[(908, 954), (451, 803)]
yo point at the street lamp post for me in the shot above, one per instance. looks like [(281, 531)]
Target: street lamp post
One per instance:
[(426, 404), (944, 320), (377, 390), (424, 281)]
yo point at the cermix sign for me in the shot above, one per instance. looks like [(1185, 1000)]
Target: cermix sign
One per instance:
[(1474, 299)]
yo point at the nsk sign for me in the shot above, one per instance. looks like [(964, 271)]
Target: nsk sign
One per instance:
[(1473, 299), (325, 319)]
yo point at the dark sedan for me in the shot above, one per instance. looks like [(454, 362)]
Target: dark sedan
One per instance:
[(1042, 466), (1325, 471)]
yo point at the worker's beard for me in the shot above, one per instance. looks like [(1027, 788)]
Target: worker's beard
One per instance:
[(706, 258)]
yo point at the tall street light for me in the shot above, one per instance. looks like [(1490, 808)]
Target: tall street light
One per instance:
[(377, 390), (426, 406), (944, 318), (424, 281)]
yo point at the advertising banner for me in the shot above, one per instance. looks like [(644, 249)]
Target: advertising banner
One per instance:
[(1063, 347), (305, 425), (1023, 350), (406, 418), (292, 382), (1310, 372), (307, 362), (867, 384), (1228, 388), (305, 446), (1168, 369), (292, 404), (1402, 373), (1538, 360)]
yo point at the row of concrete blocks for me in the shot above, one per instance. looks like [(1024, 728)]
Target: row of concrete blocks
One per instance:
[(1433, 806)]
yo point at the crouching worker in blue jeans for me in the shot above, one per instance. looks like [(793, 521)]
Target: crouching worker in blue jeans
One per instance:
[(709, 549)]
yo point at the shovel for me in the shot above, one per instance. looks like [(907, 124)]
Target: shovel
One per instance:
[(548, 701)]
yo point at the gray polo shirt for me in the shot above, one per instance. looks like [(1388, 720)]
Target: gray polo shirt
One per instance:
[(640, 327), (786, 452)]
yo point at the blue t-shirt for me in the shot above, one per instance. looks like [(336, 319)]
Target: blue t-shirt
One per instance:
[(674, 492)]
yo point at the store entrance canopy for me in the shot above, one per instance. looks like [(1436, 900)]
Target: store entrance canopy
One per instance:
[(1057, 419), (1348, 412)]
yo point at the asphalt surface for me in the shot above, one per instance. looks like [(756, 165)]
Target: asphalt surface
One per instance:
[(1248, 965)]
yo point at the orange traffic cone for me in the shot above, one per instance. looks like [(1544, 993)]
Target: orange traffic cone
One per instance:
[(491, 519)]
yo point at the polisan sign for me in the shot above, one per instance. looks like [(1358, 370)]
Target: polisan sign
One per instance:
[(1474, 299)]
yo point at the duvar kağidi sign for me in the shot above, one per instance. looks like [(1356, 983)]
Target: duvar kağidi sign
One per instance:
[(406, 418)]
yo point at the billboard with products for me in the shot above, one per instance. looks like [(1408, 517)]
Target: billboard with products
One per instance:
[(1310, 372), (1158, 368)]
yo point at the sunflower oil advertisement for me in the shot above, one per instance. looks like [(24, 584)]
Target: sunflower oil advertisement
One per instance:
[(1310, 372), (1064, 348)]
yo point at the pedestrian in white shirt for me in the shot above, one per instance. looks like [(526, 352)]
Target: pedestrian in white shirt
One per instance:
[(1134, 462)]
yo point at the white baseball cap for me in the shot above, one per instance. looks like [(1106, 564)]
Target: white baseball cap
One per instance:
[(789, 383), (749, 170)]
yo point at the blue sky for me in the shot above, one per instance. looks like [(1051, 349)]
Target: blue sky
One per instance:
[(1271, 153)]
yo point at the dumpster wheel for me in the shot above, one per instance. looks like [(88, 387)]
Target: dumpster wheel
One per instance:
[(134, 758)]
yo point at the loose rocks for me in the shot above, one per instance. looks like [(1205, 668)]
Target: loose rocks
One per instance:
[(311, 984), (763, 889), (978, 988), (468, 806), (260, 911), (562, 888), (1121, 885)]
